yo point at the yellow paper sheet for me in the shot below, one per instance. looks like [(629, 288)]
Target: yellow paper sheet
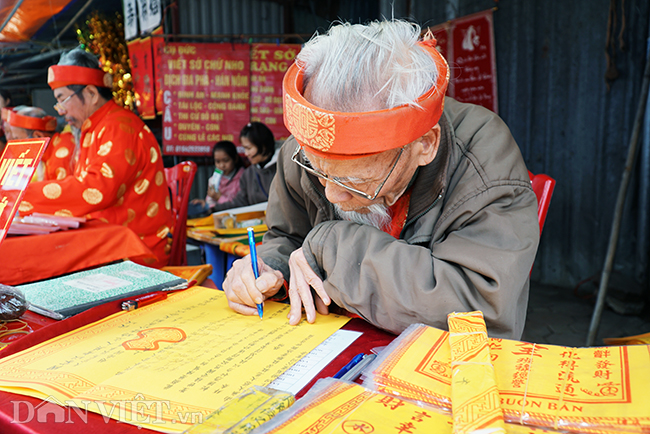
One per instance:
[(591, 390), (475, 398), (347, 408), (167, 365)]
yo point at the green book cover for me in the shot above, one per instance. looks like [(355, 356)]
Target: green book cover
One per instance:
[(76, 292)]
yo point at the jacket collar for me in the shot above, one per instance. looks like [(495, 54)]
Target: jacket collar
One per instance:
[(430, 180)]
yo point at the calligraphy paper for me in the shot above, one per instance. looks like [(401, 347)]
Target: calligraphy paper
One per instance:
[(595, 390), (168, 365)]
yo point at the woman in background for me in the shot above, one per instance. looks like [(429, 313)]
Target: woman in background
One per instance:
[(231, 165), (259, 147)]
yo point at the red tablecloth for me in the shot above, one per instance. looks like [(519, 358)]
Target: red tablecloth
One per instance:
[(28, 258)]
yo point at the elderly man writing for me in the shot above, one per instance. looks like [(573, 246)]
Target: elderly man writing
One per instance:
[(119, 175), (384, 203), (25, 122)]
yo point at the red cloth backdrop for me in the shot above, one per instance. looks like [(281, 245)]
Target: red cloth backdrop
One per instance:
[(468, 45), (206, 95), (141, 55), (269, 62)]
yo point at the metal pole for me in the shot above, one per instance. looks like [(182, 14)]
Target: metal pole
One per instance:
[(620, 202)]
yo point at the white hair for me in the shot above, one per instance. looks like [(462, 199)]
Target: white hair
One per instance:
[(32, 112), (369, 67)]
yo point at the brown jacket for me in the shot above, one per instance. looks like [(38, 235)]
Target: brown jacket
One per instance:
[(468, 243)]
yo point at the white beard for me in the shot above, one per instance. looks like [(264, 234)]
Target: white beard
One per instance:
[(377, 216)]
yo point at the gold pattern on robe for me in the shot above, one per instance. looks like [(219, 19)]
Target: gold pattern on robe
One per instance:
[(105, 149), (138, 174), (52, 190), (146, 128), (64, 213), (25, 206), (62, 152), (120, 201), (87, 123), (61, 173), (82, 175), (160, 178), (130, 156), (152, 209), (141, 135), (168, 203), (101, 133), (104, 219), (107, 171), (154, 154), (130, 216), (126, 128), (92, 196), (141, 186), (121, 191), (56, 140), (162, 232)]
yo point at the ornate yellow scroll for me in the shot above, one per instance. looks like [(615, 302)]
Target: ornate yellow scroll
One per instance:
[(168, 365)]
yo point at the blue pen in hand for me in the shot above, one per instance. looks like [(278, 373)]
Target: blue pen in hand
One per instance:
[(256, 271), (356, 359)]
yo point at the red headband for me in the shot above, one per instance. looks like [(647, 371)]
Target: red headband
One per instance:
[(46, 123), (65, 75), (341, 135)]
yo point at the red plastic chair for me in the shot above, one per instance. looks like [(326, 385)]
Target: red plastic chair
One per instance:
[(179, 180), (543, 186)]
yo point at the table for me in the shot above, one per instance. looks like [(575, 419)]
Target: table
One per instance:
[(55, 419), (27, 258)]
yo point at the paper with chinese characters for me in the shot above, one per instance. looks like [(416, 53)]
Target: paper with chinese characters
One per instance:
[(167, 365), (337, 407), (17, 165), (596, 390), (474, 393)]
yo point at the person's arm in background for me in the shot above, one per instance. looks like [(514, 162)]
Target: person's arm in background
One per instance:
[(242, 198), (229, 188)]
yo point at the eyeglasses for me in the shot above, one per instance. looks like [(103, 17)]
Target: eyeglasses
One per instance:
[(59, 106), (336, 180)]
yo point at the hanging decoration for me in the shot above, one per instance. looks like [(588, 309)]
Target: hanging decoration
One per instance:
[(104, 37)]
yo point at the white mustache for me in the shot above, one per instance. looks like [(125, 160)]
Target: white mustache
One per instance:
[(377, 216)]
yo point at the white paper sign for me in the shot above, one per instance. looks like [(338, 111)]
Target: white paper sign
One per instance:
[(150, 15), (130, 19)]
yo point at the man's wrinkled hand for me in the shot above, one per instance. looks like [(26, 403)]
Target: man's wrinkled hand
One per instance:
[(244, 292), (302, 280)]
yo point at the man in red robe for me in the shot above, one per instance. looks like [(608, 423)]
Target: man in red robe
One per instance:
[(119, 176), (26, 122)]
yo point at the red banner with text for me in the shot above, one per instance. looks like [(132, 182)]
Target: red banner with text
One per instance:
[(17, 165), (157, 48), (206, 95), (141, 56), (268, 65), (468, 45)]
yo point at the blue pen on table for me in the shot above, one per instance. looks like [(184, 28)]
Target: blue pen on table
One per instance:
[(356, 359), (355, 372), (256, 271)]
